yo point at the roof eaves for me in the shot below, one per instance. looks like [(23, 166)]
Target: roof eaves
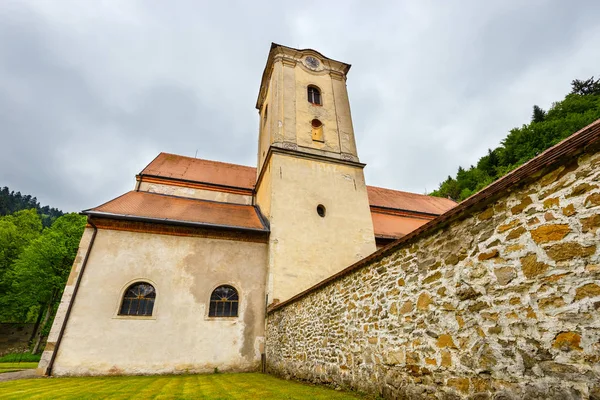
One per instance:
[(168, 221)]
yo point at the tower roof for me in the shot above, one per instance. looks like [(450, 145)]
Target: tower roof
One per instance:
[(174, 166)]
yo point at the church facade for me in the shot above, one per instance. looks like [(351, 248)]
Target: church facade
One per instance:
[(176, 275)]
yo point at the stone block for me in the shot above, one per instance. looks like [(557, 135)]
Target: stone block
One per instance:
[(589, 290), (567, 341), (590, 224), (424, 301), (569, 250), (445, 341), (505, 274), (531, 267), (489, 255), (550, 233), (593, 200)]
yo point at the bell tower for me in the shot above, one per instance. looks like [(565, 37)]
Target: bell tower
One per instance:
[(310, 183)]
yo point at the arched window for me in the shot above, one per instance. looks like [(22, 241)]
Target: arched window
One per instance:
[(314, 95), (138, 299), (224, 302)]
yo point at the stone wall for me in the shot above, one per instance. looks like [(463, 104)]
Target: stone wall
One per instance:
[(502, 302), (14, 337)]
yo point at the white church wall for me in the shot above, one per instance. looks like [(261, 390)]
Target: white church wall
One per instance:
[(194, 193), (306, 248), (179, 336)]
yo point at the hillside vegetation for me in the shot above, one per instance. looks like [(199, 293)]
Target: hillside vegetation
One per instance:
[(11, 202), (579, 108), (35, 260)]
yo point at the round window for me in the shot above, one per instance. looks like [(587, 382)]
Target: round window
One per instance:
[(321, 210), (316, 123)]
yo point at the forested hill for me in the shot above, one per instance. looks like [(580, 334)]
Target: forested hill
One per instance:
[(578, 109), (11, 202)]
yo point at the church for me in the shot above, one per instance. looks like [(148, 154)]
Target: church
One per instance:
[(176, 275)]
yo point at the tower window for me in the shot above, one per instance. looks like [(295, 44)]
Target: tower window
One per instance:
[(314, 95), (138, 300), (265, 115), (321, 210), (224, 302)]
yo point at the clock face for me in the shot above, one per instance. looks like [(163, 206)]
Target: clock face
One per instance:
[(311, 62)]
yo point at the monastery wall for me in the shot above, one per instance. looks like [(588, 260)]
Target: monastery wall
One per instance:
[(179, 336), (502, 301)]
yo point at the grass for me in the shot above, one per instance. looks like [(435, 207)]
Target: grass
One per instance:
[(12, 367), (20, 357), (213, 387)]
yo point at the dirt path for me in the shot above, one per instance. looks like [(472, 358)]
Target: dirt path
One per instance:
[(25, 374)]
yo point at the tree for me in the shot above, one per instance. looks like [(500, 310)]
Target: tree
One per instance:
[(40, 272), (589, 86), (16, 232), (578, 109), (538, 114), (11, 202)]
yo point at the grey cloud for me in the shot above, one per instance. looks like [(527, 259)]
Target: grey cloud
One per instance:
[(88, 96)]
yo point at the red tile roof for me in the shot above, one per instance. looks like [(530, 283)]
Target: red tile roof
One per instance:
[(162, 208), (386, 225), (197, 170), (394, 226), (217, 173), (420, 203)]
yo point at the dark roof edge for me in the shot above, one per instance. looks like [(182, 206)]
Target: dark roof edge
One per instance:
[(167, 221), (578, 140)]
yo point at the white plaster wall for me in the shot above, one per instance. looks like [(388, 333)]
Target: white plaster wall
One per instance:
[(305, 248), (179, 337), (201, 194)]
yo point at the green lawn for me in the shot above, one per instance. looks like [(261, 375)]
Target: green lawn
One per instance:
[(214, 386), (12, 366)]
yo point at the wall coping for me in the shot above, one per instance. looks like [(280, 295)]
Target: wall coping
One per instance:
[(568, 147)]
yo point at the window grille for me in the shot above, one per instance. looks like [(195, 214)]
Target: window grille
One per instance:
[(224, 302), (138, 300), (314, 95)]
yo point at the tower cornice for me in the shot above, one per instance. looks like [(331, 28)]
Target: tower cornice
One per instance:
[(291, 149)]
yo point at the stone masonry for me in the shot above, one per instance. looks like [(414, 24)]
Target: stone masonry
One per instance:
[(502, 302)]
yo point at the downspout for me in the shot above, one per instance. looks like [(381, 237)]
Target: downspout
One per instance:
[(70, 307), (139, 182)]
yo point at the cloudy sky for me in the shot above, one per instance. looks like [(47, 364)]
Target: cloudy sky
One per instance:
[(91, 91)]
